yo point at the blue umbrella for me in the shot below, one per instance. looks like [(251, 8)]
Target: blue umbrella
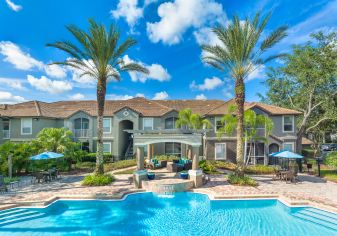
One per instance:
[(46, 156), (286, 154)]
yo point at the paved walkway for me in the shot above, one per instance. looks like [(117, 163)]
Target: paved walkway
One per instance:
[(309, 188)]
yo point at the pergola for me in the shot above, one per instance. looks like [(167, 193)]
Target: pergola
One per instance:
[(142, 138)]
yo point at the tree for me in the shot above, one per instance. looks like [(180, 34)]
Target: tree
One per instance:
[(190, 120), (307, 82), (239, 53), (252, 123), (99, 56), (58, 140)]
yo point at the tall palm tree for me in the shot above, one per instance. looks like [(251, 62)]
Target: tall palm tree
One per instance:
[(239, 53), (98, 53), (190, 120)]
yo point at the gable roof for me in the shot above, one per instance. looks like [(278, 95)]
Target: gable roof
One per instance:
[(145, 107)]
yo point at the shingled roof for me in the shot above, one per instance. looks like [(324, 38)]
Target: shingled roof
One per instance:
[(144, 107)]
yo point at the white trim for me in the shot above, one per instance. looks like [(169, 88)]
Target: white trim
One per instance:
[(109, 147), (148, 118), (292, 145), (217, 118), (31, 126), (9, 130), (293, 124), (107, 118), (215, 157)]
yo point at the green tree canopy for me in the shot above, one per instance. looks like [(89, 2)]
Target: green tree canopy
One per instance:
[(307, 82), (190, 120)]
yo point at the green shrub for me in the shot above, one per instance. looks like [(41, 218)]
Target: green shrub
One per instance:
[(98, 180), (259, 169), (308, 152), (91, 157), (241, 180), (166, 158), (331, 159), (207, 167), (225, 165), (120, 164)]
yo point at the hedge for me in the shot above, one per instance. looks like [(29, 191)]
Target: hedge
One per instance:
[(91, 157)]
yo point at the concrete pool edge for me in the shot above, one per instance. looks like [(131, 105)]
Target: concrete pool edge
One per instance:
[(118, 197)]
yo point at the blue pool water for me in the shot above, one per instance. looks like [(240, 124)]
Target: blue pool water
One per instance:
[(183, 214)]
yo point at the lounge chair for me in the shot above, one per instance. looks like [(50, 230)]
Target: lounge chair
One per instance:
[(155, 164), (3, 187)]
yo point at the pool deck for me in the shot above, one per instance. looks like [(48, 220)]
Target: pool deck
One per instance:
[(310, 190)]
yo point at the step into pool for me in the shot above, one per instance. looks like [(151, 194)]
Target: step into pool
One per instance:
[(180, 214)]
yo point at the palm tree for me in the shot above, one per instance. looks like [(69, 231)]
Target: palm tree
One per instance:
[(190, 120), (252, 122), (99, 55), (239, 53)]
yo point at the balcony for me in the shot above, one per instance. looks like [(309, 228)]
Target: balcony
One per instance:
[(81, 133), (6, 134)]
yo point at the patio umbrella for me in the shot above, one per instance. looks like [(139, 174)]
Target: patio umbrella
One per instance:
[(46, 156), (287, 155)]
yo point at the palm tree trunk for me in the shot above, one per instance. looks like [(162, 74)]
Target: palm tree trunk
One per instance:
[(101, 91), (240, 101)]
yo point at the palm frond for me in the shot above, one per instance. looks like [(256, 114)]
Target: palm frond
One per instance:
[(276, 36)]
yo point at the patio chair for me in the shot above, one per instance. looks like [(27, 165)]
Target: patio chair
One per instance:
[(289, 176), (277, 174), (3, 187), (154, 164), (39, 177)]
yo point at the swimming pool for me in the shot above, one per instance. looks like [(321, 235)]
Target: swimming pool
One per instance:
[(182, 214)]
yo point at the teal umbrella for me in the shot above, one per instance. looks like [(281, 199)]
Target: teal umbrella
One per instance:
[(46, 156), (286, 154)]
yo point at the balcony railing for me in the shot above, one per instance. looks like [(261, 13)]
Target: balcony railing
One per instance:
[(6, 134), (81, 133)]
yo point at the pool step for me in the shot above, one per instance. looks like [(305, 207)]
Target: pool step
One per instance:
[(11, 212), (316, 216), (27, 216), (18, 215)]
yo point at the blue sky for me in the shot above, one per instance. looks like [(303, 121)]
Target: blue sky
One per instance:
[(169, 34)]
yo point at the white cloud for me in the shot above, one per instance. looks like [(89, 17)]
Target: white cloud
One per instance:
[(156, 72), (9, 98), (200, 97), (13, 6), (77, 96), (206, 36), (50, 86), (140, 95), (55, 71), (16, 84), (258, 73), (208, 84), (14, 55), (129, 10), (119, 97), (161, 96), (179, 16)]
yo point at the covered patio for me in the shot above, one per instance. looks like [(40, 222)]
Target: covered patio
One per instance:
[(143, 138)]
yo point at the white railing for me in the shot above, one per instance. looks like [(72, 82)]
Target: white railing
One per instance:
[(81, 133), (6, 134)]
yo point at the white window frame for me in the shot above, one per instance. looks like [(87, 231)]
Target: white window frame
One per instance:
[(31, 126), (109, 143), (109, 126), (222, 158), (216, 119), (293, 124), (9, 130), (292, 145), (148, 118)]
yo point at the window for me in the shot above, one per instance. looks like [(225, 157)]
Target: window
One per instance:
[(173, 149), (107, 147), (218, 124), (147, 123), (288, 123), (288, 147), (170, 123), (106, 125), (220, 151), (6, 128), (26, 125)]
